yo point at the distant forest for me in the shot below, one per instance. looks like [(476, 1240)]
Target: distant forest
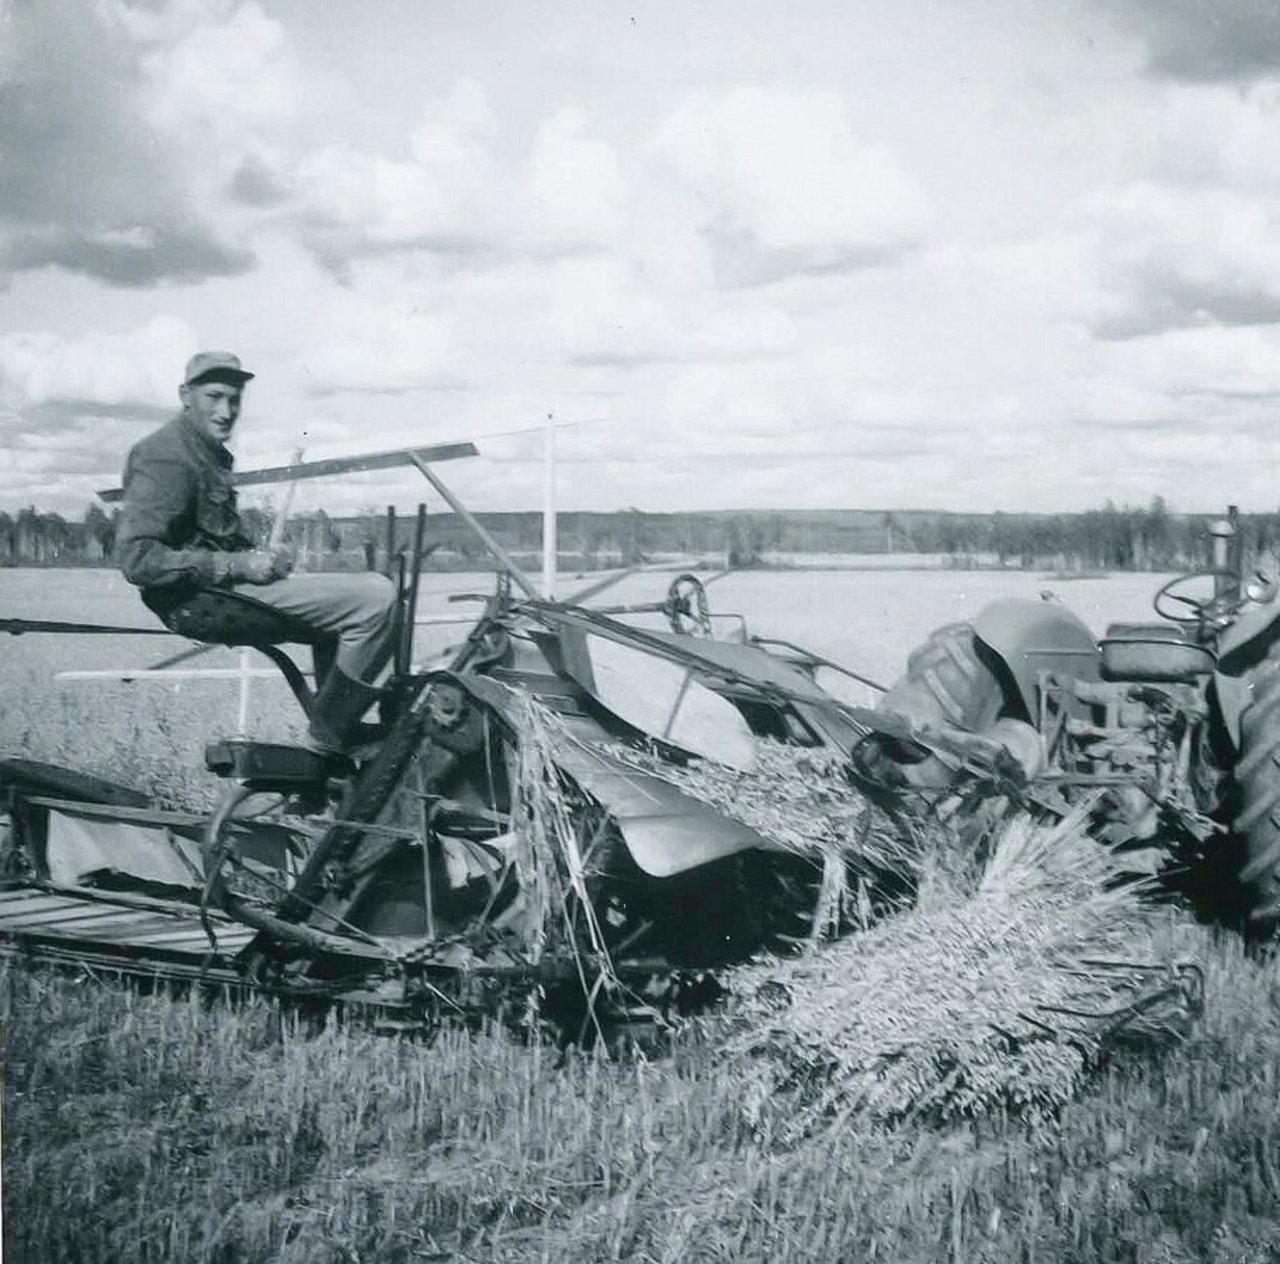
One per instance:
[(1110, 538)]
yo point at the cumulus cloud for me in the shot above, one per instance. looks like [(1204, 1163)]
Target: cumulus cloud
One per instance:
[(140, 367), (1209, 135), (73, 406), (605, 312), (783, 184), (1228, 363), (1199, 40), (219, 75), (1172, 258), (254, 183), (440, 196), (765, 183), (92, 184), (573, 192), (133, 258), (452, 194), (1191, 383), (380, 346)]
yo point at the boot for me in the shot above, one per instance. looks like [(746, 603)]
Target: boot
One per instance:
[(335, 713)]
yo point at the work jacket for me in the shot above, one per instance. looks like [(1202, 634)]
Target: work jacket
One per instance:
[(179, 510)]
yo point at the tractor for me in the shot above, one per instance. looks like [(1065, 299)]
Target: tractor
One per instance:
[(1173, 727)]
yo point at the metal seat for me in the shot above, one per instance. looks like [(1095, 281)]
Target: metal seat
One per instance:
[(219, 617), (1155, 652)]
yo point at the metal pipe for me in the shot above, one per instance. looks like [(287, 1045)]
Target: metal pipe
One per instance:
[(822, 662), (399, 659), (242, 708), (550, 544), (307, 936), (411, 602), (167, 674), (389, 568), (282, 517), (1223, 531), (17, 627), (1235, 550), (503, 557)]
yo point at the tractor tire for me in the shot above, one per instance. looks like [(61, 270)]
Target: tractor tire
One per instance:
[(949, 682), (1257, 775)]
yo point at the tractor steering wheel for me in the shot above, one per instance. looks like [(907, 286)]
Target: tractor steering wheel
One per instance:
[(1204, 611), (686, 606)]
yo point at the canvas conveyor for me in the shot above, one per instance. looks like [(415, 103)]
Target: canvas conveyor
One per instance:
[(110, 936), (137, 938)]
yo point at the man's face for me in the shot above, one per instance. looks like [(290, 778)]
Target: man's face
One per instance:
[(213, 406)]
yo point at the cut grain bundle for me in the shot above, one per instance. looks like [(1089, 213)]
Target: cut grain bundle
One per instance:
[(557, 910), (801, 799), (1000, 1000)]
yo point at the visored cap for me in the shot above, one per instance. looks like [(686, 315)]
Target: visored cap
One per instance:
[(215, 364)]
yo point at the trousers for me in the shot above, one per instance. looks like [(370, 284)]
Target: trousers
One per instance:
[(358, 609)]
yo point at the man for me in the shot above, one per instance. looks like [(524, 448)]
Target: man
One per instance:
[(179, 531)]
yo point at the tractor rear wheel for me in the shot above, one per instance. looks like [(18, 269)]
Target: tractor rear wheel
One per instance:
[(948, 682), (1257, 775)]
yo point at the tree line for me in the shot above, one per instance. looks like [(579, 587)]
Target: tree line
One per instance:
[(1152, 537)]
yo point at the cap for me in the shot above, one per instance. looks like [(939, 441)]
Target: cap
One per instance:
[(210, 363)]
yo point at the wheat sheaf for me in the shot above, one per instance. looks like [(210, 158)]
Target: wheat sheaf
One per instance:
[(1003, 998)]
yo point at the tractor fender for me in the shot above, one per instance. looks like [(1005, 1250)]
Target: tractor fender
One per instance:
[(1034, 636)]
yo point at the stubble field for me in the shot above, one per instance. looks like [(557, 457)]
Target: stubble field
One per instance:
[(140, 1128)]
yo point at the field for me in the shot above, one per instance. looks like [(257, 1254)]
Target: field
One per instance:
[(142, 1128)]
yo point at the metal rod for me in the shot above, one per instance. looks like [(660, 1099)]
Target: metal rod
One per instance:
[(173, 660), (16, 627), (1225, 533), (1235, 549), (822, 662), (550, 544), (428, 893), (400, 663), (242, 710), (153, 673), (506, 560), (113, 812), (388, 568), (599, 585), (411, 602), (282, 517)]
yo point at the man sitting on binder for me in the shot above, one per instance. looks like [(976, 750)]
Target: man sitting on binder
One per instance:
[(179, 532)]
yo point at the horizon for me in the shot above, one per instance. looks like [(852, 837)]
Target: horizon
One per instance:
[(405, 511)]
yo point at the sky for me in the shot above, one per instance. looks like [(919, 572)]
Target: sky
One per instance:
[(951, 254)]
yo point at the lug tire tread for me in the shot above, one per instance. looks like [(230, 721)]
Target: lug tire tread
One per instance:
[(946, 682), (946, 675), (1258, 776)]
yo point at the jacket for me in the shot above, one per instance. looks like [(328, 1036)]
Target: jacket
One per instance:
[(179, 511)]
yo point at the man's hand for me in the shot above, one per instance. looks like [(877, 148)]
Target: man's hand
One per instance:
[(259, 566)]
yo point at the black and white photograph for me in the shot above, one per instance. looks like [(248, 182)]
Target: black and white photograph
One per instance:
[(640, 631)]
